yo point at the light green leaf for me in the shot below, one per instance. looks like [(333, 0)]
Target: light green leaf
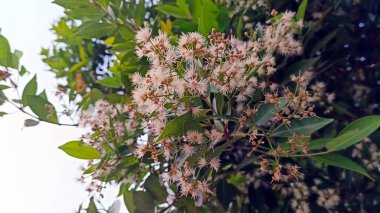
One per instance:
[(111, 82), (318, 143), (30, 122), (172, 11), (30, 89), (94, 30), (42, 108), (179, 126), (5, 52), (80, 150), (304, 126), (301, 10), (2, 114), (336, 160), (354, 132), (4, 87)]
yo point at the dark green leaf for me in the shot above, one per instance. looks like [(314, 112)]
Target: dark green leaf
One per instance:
[(143, 201), (80, 150), (300, 66), (154, 187), (179, 126), (342, 162), (304, 126)]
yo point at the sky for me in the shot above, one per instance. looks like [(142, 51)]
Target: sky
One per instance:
[(35, 176)]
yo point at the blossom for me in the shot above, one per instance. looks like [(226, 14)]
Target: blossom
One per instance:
[(143, 35)]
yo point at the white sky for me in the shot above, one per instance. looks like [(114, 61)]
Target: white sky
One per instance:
[(35, 176)]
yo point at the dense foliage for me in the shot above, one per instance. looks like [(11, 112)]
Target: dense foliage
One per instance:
[(216, 106)]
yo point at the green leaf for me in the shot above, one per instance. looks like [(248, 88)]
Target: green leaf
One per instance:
[(22, 71), (143, 202), (208, 18), (92, 207), (2, 114), (301, 10), (111, 82), (267, 111), (154, 187), (337, 160), (300, 66), (5, 52), (173, 11), (43, 95), (30, 89), (128, 200), (318, 143), (30, 122), (179, 126), (239, 28), (4, 87), (304, 126), (94, 30), (140, 12), (84, 12), (80, 150), (354, 132), (42, 108), (72, 3)]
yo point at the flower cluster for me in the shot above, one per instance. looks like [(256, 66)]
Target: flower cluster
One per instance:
[(203, 98)]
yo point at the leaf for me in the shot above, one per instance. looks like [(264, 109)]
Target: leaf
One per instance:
[(92, 207), (94, 30), (30, 122), (143, 202), (267, 111), (5, 52), (72, 3), (30, 89), (301, 10), (354, 132), (337, 160), (111, 82), (173, 11), (128, 200), (154, 187), (80, 150), (42, 108), (179, 126), (301, 66), (304, 126), (4, 87), (208, 18), (2, 114), (318, 143), (140, 12)]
